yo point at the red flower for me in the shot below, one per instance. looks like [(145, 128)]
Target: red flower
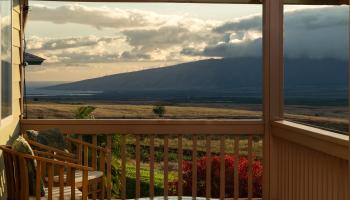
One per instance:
[(243, 168)]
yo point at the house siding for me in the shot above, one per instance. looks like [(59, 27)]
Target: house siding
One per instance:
[(11, 127)]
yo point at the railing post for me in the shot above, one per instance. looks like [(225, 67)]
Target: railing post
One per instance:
[(273, 86)]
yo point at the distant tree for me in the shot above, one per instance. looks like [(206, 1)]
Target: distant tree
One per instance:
[(85, 112), (159, 110)]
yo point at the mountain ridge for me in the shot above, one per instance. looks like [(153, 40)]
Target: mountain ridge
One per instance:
[(219, 76)]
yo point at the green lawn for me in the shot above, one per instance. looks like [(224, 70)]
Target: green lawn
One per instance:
[(145, 179)]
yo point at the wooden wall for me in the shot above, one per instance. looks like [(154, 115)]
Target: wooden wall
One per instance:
[(309, 163)]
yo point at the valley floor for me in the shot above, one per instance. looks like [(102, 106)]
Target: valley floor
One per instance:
[(329, 117)]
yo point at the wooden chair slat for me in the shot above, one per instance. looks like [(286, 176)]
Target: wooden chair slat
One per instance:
[(23, 179)]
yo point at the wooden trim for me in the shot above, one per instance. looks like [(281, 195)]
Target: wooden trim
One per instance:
[(120, 126), (317, 139)]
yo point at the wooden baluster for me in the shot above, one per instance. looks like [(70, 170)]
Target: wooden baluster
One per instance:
[(72, 183), (86, 155), (138, 174), (85, 185), (235, 167), (180, 159), (151, 166), (94, 153), (61, 180), (250, 168), (50, 180), (38, 180), (109, 166), (208, 168), (166, 162), (222, 167), (194, 167), (123, 155), (103, 169), (94, 164), (80, 150)]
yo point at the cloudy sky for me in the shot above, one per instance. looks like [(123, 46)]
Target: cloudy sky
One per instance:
[(88, 40)]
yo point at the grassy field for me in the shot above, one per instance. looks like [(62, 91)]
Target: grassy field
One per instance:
[(331, 117), (117, 111)]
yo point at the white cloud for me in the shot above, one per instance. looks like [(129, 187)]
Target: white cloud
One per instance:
[(104, 17), (147, 36)]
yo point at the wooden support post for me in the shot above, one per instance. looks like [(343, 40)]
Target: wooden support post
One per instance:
[(273, 87)]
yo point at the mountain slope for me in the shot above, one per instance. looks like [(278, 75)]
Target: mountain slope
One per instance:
[(193, 75), (218, 75)]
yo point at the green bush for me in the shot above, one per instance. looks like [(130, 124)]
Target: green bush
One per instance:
[(159, 110)]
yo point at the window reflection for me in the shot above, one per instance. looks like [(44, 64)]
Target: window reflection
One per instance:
[(6, 69)]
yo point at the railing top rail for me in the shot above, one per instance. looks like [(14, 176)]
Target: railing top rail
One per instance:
[(147, 126), (317, 139)]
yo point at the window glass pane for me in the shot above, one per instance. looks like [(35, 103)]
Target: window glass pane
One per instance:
[(6, 68), (316, 65), (132, 60)]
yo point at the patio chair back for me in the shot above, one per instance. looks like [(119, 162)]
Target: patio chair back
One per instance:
[(16, 174)]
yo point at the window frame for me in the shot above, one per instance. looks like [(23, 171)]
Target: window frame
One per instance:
[(4, 121)]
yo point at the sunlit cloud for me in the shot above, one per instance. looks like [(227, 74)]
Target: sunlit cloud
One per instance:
[(148, 36)]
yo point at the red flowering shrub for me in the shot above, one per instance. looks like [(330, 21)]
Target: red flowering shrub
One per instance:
[(215, 177)]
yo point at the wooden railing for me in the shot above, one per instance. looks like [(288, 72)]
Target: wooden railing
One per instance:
[(162, 148), (306, 163), (309, 163)]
